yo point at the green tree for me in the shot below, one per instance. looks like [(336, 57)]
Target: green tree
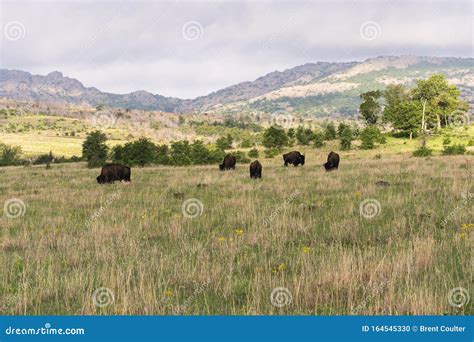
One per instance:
[(438, 100), (94, 149), (304, 135), (253, 153), (318, 139), (401, 111), (291, 133), (274, 136), (162, 154), (369, 136), (180, 153), (330, 131), (199, 153), (140, 152), (143, 152), (370, 108), (345, 136), (225, 143)]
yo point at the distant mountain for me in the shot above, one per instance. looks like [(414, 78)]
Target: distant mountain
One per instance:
[(318, 89), (55, 88)]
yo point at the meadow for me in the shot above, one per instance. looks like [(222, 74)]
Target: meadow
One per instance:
[(193, 240)]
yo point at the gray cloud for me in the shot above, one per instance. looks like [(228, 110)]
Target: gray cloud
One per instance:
[(122, 46)]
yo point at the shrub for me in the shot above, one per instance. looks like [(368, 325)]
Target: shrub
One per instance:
[(224, 143), (216, 155), (10, 155), (330, 131), (369, 136), (199, 153), (180, 153), (44, 158), (141, 152), (345, 136), (94, 149), (246, 143), (318, 140), (454, 149), (241, 157), (274, 137), (271, 152), (423, 151), (304, 136), (253, 153)]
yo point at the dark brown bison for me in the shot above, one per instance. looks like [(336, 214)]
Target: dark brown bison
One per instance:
[(255, 169), (294, 158), (228, 163), (114, 172), (333, 161)]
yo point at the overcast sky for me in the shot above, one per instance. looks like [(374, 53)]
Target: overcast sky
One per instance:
[(188, 49)]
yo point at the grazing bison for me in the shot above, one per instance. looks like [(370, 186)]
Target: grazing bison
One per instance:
[(333, 161), (114, 172), (228, 163), (294, 158), (255, 169)]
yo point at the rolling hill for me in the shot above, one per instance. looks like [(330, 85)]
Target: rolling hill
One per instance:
[(314, 89)]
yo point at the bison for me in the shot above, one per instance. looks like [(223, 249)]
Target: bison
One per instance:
[(255, 169), (294, 158), (333, 161), (114, 172), (228, 163)]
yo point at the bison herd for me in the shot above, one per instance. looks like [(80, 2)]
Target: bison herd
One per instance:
[(117, 172)]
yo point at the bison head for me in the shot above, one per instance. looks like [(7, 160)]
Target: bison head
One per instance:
[(221, 167), (101, 179), (328, 166), (302, 160)]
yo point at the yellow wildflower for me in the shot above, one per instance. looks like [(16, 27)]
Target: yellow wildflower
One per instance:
[(168, 293), (221, 238), (281, 267), (239, 231), (306, 249)]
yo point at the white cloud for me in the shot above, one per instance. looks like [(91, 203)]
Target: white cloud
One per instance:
[(126, 46)]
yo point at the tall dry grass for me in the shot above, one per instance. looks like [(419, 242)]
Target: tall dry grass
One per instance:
[(154, 260)]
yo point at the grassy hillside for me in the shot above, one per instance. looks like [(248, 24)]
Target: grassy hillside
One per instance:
[(298, 228), (38, 134)]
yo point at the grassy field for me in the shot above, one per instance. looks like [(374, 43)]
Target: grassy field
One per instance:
[(194, 240)]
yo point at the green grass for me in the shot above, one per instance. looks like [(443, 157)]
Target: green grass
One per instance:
[(227, 260)]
